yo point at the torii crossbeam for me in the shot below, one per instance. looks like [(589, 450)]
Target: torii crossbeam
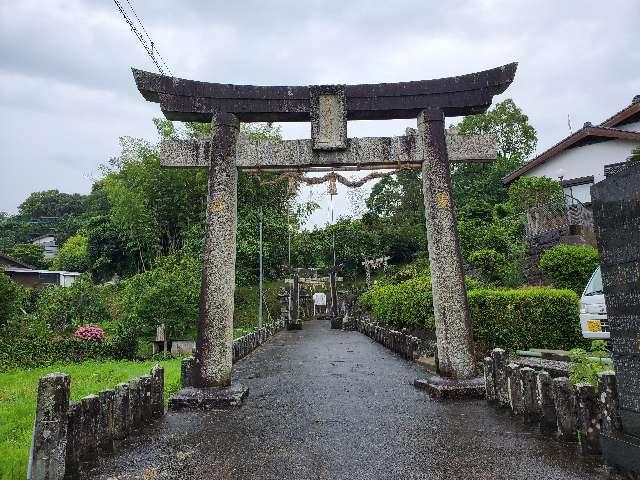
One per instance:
[(328, 107)]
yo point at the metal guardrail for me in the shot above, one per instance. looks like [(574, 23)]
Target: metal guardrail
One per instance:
[(552, 216)]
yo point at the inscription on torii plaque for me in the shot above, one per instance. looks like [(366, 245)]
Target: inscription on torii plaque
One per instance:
[(328, 108)]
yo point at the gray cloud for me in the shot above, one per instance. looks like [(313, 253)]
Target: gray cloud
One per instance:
[(66, 92)]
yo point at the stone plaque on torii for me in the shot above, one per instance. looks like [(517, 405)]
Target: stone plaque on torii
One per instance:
[(328, 108)]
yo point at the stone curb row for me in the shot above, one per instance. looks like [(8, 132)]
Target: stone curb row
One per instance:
[(406, 345), (553, 405), (242, 347), (68, 437)]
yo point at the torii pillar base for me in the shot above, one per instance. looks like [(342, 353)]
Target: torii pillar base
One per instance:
[(208, 398), (442, 388)]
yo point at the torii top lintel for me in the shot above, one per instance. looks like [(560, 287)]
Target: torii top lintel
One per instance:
[(194, 101)]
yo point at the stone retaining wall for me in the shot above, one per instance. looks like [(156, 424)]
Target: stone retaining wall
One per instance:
[(570, 413), (68, 437), (406, 345)]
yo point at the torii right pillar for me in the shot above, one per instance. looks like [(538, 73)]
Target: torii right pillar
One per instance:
[(456, 357)]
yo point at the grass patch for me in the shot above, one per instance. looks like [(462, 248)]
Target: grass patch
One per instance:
[(18, 390)]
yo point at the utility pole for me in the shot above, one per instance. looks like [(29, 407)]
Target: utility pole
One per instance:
[(261, 275)]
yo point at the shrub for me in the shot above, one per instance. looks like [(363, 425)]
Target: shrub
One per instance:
[(527, 318), (569, 266), (64, 309), (29, 253), (489, 263), (90, 333), (10, 297), (585, 366), (510, 319), (405, 304)]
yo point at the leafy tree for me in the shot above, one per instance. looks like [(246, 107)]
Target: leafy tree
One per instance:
[(635, 155), (51, 203), (516, 138), (27, 252), (477, 187), (529, 192), (73, 256)]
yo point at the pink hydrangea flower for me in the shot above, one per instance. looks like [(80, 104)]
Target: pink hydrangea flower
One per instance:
[(91, 333)]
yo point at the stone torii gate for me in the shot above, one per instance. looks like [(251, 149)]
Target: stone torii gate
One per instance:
[(328, 107)]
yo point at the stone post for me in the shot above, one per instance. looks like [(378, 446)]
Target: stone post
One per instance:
[(489, 377), (135, 404), (616, 216), (74, 426), (104, 431), (214, 344), (514, 388), (88, 445), (589, 415), (294, 315), (565, 402), (121, 415), (157, 391), (188, 372), (546, 405), (529, 390), (453, 326), (145, 398), (499, 357), (48, 446), (608, 391)]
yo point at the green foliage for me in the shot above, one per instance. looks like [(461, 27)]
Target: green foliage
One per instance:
[(18, 390), (63, 309), (489, 262), (510, 319), (521, 319), (11, 295), (353, 241), (407, 304), (585, 366), (51, 203), (569, 266), (73, 256), (167, 294), (516, 138), (635, 156), (29, 253), (529, 192)]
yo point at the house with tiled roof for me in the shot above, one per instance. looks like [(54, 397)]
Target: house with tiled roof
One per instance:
[(589, 155)]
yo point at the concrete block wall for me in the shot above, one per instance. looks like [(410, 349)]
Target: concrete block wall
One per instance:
[(68, 437), (566, 412), (408, 346)]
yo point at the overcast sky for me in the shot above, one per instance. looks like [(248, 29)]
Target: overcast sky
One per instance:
[(67, 94)]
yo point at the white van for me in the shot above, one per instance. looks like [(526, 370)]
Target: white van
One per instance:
[(593, 311)]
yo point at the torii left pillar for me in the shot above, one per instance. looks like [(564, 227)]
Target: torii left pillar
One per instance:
[(214, 343)]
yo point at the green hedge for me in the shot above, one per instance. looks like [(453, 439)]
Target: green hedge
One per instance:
[(35, 352), (510, 319), (521, 319)]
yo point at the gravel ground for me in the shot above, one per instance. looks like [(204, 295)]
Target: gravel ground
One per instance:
[(326, 404)]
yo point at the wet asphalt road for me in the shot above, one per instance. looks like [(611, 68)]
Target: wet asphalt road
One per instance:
[(326, 404)]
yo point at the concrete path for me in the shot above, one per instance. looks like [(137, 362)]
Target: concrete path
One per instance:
[(325, 404)]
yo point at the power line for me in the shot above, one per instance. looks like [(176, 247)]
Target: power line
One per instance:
[(148, 46)]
